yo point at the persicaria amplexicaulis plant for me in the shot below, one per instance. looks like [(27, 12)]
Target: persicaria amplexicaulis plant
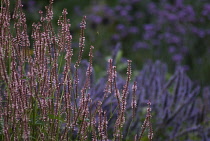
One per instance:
[(44, 94)]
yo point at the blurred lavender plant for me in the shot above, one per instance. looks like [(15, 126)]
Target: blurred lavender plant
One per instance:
[(176, 108)]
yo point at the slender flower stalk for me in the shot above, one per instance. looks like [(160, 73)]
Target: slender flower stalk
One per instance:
[(147, 124), (133, 103)]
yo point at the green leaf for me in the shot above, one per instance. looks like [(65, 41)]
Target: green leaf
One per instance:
[(51, 116)]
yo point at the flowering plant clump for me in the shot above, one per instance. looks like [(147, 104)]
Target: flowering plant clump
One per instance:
[(44, 94)]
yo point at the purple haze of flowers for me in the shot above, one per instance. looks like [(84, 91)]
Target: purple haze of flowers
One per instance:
[(134, 30), (171, 49), (140, 45), (150, 31), (96, 19), (115, 37), (206, 10), (121, 27), (177, 58), (161, 25)]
